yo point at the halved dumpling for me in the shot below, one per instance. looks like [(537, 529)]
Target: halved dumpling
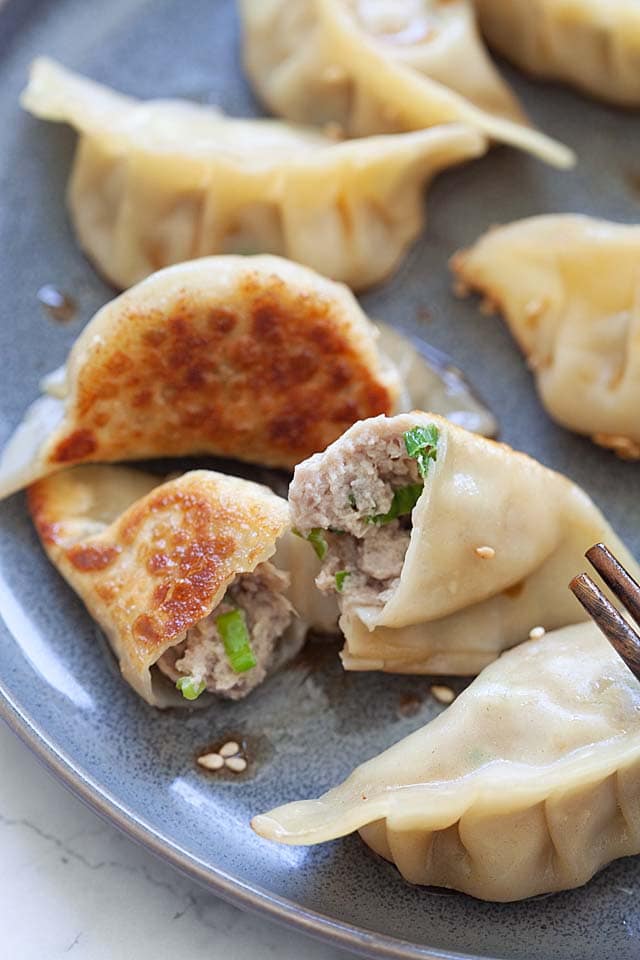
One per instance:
[(591, 44), (442, 548), (527, 784), (180, 575), (377, 67), (163, 181), (569, 288), (254, 358)]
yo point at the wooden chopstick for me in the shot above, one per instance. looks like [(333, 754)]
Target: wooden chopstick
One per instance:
[(619, 580), (616, 629)]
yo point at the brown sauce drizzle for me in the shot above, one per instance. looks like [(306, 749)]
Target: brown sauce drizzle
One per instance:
[(409, 704)]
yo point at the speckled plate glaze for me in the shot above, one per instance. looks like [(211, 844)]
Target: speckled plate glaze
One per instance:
[(308, 726)]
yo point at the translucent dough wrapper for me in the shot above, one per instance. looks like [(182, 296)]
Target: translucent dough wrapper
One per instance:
[(495, 539), (527, 784), (162, 181), (592, 45), (376, 67), (569, 289)]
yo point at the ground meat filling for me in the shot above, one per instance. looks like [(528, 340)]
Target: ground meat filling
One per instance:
[(339, 493), (201, 654)]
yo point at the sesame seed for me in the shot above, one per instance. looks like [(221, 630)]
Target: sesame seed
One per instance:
[(229, 749), (536, 633), (533, 308), (486, 553), (334, 73), (211, 761), (443, 694), (236, 764)]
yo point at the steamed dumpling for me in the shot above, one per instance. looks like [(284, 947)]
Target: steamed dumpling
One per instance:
[(442, 548), (569, 288), (377, 66), (592, 44), (158, 565), (159, 182), (527, 784), (253, 358)]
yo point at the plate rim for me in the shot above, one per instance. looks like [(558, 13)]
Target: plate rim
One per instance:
[(248, 896), (69, 771)]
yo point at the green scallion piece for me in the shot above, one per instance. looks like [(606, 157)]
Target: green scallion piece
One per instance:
[(190, 688), (421, 443), (317, 540), (341, 576), (232, 627), (404, 500)]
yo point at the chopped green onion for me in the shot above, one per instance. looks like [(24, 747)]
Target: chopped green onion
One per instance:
[(232, 627), (421, 443), (190, 688), (317, 540), (352, 501), (341, 576), (404, 500), (340, 533)]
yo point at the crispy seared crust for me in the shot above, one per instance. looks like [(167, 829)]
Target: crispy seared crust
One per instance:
[(271, 375), (253, 358), (161, 565)]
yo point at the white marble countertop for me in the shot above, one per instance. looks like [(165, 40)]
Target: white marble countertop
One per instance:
[(72, 885)]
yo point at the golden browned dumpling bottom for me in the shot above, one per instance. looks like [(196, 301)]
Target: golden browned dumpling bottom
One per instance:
[(253, 358), (271, 379), (156, 565)]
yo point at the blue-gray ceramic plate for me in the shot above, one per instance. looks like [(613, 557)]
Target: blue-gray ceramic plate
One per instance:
[(308, 726)]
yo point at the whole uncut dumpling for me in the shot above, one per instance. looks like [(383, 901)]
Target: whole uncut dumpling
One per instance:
[(569, 288), (591, 44), (377, 66), (253, 358), (527, 784), (163, 181)]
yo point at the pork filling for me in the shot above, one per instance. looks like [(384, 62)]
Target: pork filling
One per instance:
[(354, 503), (205, 661)]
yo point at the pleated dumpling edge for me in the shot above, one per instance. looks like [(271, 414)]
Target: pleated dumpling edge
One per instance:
[(479, 799)]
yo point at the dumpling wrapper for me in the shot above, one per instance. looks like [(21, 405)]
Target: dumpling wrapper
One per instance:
[(569, 288), (592, 44), (527, 784), (151, 561), (383, 67), (454, 609), (254, 358), (163, 181)]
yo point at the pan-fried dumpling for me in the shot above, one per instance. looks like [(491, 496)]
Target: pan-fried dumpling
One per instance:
[(254, 358), (527, 784), (159, 182), (381, 66), (569, 288), (443, 548), (178, 575), (592, 44)]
